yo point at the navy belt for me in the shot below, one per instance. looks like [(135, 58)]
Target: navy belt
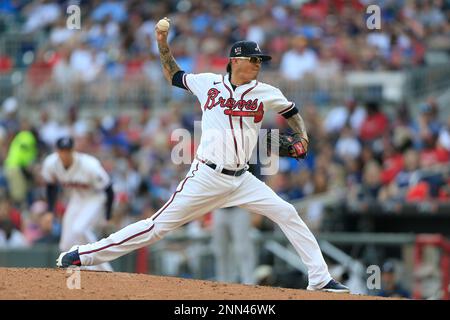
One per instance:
[(213, 166)]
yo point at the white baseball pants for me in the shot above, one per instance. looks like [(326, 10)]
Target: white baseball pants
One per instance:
[(233, 247), (204, 190)]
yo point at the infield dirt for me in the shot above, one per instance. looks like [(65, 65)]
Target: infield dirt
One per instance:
[(51, 284)]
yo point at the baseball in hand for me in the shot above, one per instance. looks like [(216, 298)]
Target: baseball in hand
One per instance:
[(163, 25)]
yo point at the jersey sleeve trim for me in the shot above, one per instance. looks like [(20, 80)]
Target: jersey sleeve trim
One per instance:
[(185, 83), (287, 109), (177, 80), (290, 113)]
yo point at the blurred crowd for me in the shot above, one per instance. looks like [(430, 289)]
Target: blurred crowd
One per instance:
[(135, 151), (376, 156), (319, 38)]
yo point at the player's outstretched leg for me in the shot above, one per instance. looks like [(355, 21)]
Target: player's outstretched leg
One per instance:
[(256, 197), (200, 192)]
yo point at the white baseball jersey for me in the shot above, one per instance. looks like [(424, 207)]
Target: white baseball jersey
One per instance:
[(232, 118), (83, 178)]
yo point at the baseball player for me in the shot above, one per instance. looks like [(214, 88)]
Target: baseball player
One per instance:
[(91, 194), (233, 106), (233, 247)]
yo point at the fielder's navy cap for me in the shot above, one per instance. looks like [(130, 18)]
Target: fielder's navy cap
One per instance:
[(388, 267), (247, 49), (64, 143)]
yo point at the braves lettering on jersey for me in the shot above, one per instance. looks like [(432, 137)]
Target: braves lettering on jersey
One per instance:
[(232, 118)]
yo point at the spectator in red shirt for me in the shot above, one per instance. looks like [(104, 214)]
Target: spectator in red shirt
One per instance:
[(315, 9), (375, 124), (433, 153), (6, 64), (8, 212), (392, 163), (418, 193), (340, 5), (39, 74)]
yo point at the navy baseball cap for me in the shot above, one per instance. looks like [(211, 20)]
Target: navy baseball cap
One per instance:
[(64, 143), (248, 49), (388, 267)]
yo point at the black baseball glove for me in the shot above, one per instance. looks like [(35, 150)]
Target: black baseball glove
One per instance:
[(288, 145)]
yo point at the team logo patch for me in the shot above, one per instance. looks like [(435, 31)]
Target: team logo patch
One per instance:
[(257, 48), (237, 50)]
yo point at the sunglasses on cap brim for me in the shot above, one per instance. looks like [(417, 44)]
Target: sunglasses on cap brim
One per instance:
[(251, 59)]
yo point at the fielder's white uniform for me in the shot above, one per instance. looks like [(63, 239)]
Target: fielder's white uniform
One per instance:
[(233, 247), (85, 180), (230, 124)]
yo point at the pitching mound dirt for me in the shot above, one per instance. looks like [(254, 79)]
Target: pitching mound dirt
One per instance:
[(50, 284)]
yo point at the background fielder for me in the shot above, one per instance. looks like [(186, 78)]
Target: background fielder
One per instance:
[(233, 246), (90, 191), (233, 107)]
